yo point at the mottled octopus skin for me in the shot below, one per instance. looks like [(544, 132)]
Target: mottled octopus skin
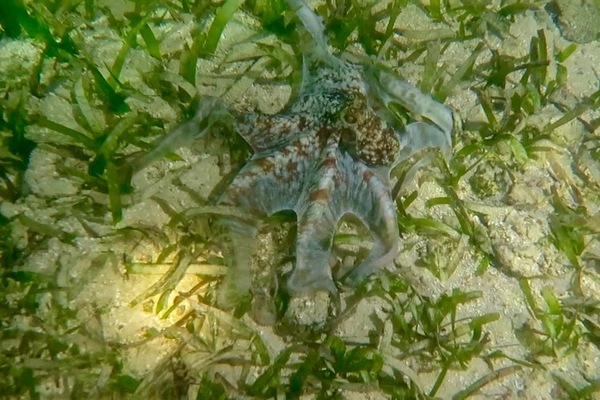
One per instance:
[(323, 157), (327, 154)]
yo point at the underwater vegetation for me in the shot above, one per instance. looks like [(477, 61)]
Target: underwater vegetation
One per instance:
[(328, 153), (110, 275)]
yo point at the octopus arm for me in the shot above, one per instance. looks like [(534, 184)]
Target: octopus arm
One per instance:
[(368, 198), (346, 186), (311, 21), (210, 111), (266, 185), (238, 280), (317, 214), (389, 88)]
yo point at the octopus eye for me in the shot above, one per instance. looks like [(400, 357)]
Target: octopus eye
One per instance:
[(350, 116)]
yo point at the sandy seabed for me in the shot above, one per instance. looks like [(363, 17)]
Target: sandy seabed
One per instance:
[(515, 220)]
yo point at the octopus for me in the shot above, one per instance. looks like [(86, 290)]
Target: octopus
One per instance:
[(328, 153)]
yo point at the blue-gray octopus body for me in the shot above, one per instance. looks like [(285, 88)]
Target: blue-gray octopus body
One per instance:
[(327, 154)]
